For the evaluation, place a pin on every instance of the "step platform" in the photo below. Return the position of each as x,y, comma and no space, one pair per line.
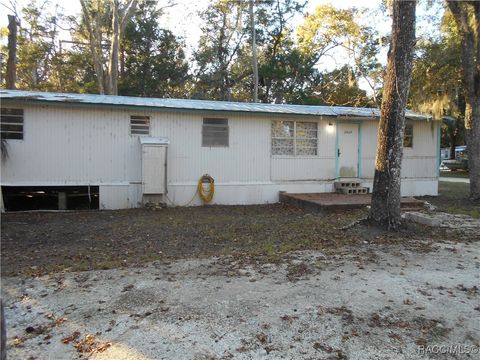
319,202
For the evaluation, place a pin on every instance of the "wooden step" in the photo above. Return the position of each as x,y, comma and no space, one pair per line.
319,202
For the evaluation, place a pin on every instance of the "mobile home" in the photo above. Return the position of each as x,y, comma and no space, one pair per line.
127,151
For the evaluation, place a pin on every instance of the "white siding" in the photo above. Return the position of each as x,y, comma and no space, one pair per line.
73,146
87,145
420,161
369,130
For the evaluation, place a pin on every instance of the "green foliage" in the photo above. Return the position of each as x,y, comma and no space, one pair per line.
340,87
436,86
223,37
329,29
436,83
36,45
153,60
286,74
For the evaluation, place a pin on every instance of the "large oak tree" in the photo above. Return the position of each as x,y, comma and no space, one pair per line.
385,209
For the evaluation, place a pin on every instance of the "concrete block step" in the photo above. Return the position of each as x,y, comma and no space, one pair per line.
352,190
347,184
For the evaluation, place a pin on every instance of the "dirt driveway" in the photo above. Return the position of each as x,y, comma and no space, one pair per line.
244,282
367,302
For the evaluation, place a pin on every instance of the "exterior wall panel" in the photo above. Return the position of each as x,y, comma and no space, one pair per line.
92,145
420,161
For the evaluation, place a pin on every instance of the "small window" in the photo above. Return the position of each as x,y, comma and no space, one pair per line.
294,138
215,132
139,125
12,124
408,136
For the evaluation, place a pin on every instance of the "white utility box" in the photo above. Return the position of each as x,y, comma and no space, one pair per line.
154,165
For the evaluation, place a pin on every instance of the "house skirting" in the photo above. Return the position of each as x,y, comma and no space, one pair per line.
129,195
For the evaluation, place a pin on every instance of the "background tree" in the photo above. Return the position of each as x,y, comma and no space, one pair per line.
437,81
329,30
223,35
340,87
42,63
92,13
12,53
36,49
467,18
153,62
385,207
224,55
254,49
281,66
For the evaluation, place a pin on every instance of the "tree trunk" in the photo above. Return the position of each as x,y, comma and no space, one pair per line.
122,62
107,84
112,81
221,51
120,18
467,18
254,53
95,51
385,208
11,77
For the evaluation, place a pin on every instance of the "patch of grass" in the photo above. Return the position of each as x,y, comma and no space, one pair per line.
289,247
268,248
453,198
456,174
475,213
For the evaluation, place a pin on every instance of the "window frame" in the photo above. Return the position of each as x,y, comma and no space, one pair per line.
213,126
138,118
294,138
405,136
21,113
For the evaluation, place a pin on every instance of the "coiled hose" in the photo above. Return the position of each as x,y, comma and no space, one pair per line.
206,194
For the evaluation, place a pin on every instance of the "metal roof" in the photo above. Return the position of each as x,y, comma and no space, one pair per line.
204,105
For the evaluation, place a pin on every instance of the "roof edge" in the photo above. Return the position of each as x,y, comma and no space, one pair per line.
197,105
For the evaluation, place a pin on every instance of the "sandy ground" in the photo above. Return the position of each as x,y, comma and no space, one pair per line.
368,302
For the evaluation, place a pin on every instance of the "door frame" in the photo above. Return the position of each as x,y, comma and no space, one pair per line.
359,150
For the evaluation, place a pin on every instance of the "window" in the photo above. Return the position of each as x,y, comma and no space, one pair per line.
408,136
294,138
215,132
12,124
139,125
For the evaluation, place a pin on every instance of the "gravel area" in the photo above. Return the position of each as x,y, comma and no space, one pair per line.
370,301
242,282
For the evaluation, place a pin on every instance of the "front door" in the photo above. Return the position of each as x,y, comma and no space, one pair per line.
347,152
